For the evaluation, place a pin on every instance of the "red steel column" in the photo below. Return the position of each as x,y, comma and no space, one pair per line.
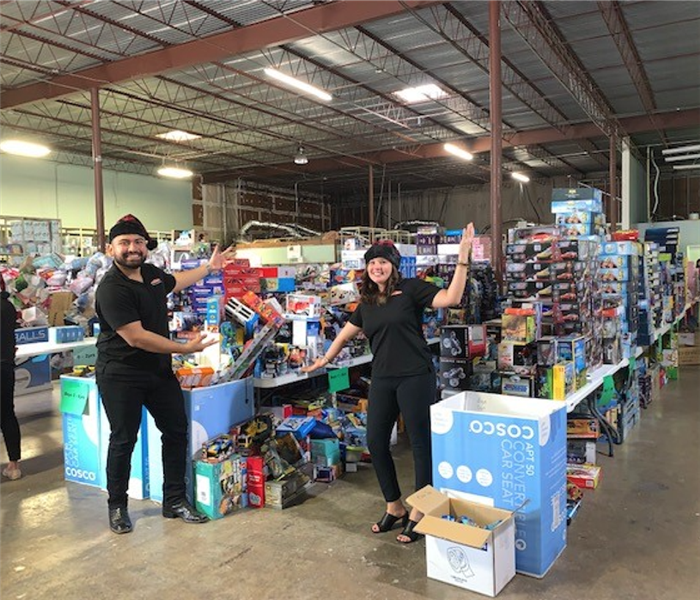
97,167
371,196
614,204
496,133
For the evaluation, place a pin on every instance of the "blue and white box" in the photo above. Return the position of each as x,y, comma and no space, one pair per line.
211,411
508,453
139,474
32,373
80,410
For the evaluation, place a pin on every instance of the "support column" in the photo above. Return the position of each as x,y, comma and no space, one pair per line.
615,205
371,196
496,134
97,168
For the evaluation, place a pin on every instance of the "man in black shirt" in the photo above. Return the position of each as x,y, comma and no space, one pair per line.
8,419
134,366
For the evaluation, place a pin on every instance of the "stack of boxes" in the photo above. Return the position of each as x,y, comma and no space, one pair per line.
459,346
649,292
619,275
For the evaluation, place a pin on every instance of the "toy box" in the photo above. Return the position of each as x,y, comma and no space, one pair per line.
468,556
513,384
583,428
455,373
31,335
221,487
503,451
584,476
518,328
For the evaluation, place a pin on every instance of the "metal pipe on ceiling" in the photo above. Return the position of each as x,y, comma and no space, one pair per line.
496,133
97,168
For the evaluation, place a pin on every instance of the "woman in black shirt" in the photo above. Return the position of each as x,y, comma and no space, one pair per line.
403,378
8,419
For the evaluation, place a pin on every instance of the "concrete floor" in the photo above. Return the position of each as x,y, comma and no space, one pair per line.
636,537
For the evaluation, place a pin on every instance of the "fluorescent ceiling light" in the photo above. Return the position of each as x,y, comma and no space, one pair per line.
175,172
300,85
520,177
422,93
22,148
457,151
693,148
178,136
682,157
685,167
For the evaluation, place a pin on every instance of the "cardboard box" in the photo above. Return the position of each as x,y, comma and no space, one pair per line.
32,373
472,558
502,451
689,355
584,476
211,411
221,487
80,412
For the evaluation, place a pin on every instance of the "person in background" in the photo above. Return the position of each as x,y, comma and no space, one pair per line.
134,369
403,378
8,419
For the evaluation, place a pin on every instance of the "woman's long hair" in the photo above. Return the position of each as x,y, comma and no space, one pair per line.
370,293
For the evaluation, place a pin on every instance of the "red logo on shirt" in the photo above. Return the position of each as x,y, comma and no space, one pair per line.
156,282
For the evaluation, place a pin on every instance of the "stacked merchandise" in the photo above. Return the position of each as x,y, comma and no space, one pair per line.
459,346
619,274
650,305
550,280
668,239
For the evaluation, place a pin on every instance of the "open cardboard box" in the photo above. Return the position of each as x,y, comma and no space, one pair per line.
469,557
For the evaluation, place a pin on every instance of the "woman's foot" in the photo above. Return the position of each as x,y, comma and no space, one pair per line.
12,470
395,511
408,535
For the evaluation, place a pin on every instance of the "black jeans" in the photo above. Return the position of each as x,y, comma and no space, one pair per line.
124,392
412,397
8,419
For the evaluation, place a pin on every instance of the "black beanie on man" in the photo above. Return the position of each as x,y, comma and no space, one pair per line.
129,224
384,249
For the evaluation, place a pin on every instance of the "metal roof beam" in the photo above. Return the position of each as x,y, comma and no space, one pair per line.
670,120
219,46
530,20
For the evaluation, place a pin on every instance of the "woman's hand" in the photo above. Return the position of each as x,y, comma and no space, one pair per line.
319,363
465,244
218,259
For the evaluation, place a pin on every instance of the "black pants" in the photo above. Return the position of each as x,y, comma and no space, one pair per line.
124,392
412,397
8,419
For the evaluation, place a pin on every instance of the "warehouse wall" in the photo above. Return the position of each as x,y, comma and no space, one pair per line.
453,207
46,189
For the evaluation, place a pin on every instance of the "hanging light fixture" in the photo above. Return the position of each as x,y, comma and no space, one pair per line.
457,151
520,177
300,158
174,172
23,148
299,85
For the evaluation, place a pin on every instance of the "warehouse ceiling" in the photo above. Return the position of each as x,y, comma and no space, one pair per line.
573,73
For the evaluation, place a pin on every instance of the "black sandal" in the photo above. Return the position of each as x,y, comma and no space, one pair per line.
387,522
409,532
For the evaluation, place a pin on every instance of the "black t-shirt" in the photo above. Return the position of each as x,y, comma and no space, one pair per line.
9,322
119,301
395,330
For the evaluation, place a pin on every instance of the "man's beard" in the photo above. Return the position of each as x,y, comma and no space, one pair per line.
131,261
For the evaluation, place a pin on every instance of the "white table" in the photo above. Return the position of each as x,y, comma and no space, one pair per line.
41,348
